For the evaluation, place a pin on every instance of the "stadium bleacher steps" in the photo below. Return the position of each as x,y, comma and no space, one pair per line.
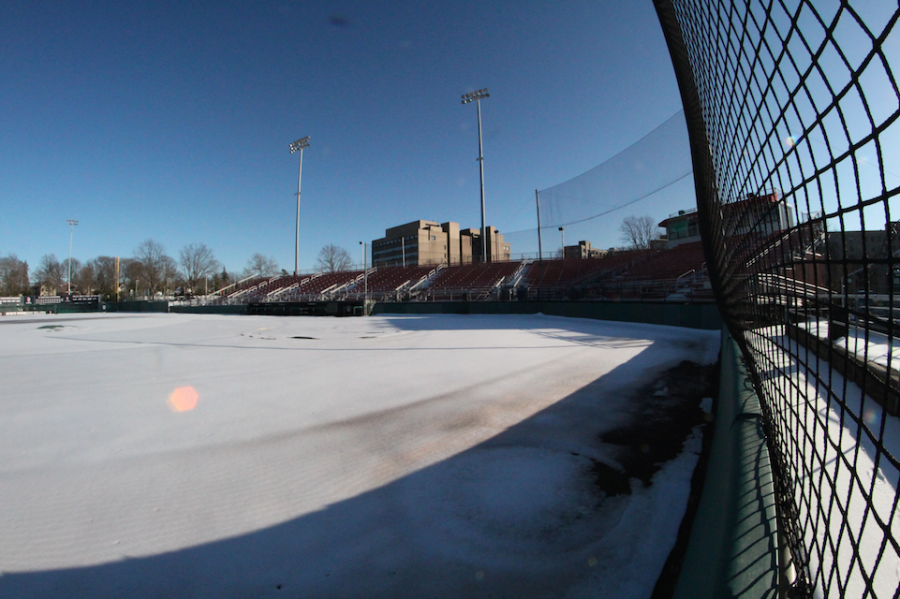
276,292
425,281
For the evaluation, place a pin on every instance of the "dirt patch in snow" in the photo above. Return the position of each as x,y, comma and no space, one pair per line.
666,411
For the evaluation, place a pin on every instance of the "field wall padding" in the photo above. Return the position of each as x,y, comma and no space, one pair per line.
694,315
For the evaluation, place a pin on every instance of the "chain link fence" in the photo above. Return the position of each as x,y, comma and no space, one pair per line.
792,109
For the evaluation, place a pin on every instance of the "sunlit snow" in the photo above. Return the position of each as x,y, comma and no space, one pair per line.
227,456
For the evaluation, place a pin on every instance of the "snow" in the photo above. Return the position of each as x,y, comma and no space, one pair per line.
233,456
843,473
875,348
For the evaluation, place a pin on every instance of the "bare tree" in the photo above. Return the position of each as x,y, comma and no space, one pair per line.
70,268
170,275
261,266
86,278
130,272
49,274
153,262
197,262
333,259
13,276
105,276
638,231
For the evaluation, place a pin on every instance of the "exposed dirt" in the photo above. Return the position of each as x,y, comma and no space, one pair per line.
666,410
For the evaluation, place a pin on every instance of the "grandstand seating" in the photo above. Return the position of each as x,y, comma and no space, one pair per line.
474,278
327,281
247,286
568,272
387,280
277,284
648,274
670,264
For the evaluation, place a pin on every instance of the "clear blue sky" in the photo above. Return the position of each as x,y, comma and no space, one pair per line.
172,120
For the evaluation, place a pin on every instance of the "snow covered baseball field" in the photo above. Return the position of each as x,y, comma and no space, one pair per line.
164,455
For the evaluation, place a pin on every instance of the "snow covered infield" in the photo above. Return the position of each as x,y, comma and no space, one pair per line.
235,456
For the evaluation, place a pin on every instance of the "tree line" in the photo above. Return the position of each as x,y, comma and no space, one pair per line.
148,272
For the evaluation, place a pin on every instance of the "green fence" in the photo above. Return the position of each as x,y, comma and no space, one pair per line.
136,306
225,309
733,547
695,316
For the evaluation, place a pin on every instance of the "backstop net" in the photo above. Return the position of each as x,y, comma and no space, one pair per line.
650,176
792,108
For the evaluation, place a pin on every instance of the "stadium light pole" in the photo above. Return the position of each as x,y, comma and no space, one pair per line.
562,232
72,225
477,96
298,145
365,276
537,199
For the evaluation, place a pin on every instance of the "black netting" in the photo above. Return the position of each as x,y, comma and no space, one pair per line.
792,115
648,177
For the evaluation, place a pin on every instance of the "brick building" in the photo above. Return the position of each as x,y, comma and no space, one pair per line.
424,242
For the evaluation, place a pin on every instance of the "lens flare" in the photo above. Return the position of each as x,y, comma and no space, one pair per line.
183,399
871,417
790,141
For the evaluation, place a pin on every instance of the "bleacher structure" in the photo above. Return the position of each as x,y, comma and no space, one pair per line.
678,274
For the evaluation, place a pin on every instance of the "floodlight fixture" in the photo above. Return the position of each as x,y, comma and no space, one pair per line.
72,224
298,145
477,96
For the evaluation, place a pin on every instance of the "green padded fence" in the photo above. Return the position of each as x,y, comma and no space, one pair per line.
733,547
694,316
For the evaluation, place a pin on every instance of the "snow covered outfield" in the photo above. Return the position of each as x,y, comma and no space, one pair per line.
406,456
